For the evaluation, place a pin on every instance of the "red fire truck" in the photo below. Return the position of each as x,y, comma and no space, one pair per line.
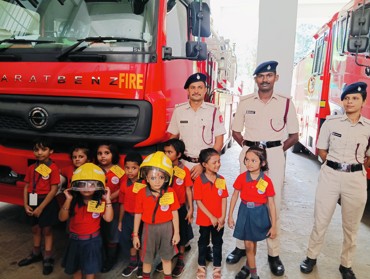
341,57
88,70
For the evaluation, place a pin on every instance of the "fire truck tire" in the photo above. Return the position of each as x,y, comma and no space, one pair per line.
297,148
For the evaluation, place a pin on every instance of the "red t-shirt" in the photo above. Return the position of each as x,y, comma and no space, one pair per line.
41,183
84,222
145,204
248,190
113,182
211,197
126,195
179,185
67,172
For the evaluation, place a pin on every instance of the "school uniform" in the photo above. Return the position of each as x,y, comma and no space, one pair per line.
84,248
127,197
110,229
41,185
253,221
211,196
269,122
197,129
342,176
156,216
180,182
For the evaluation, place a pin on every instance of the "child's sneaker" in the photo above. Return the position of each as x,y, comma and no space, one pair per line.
159,267
179,269
129,270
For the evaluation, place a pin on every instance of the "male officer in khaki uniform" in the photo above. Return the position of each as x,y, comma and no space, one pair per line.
344,147
197,123
269,120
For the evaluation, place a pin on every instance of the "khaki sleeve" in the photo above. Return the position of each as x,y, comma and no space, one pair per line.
238,121
292,120
173,127
219,128
324,136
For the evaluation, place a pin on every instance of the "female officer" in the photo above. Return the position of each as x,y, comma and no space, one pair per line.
344,147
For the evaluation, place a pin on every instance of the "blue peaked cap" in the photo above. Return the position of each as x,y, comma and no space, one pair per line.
357,87
194,78
268,66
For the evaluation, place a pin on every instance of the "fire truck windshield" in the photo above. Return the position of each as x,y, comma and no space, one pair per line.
54,28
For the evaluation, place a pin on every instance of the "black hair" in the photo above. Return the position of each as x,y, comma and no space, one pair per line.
113,149
261,154
133,157
84,147
43,142
206,154
177,144
78,199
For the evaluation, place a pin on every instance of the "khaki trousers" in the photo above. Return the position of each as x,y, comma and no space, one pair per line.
351,188
276,164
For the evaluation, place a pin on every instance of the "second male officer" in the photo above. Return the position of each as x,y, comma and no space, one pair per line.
269,120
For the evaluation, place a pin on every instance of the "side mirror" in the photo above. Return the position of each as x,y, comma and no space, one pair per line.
196,50
138,6
200,19
358,44
360,22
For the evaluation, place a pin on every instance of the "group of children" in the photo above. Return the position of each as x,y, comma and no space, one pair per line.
147,206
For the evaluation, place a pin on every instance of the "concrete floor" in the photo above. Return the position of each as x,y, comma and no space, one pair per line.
296,215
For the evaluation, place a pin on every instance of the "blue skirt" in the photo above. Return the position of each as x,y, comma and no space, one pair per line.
84,255
252,224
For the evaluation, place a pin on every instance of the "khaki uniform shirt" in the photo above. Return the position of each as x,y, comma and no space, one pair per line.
345,141
194,127
265,121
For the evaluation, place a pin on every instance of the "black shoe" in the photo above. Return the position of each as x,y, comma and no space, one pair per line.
243,274
209,255
276,266
32,258
307,265
108,265
159,267
47,266
187,248
235,255
347,272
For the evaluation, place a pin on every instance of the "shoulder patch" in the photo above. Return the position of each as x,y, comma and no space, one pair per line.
331,117
283,96
245,97
182,104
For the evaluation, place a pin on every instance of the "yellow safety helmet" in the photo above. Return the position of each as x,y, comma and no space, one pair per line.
159,161
87,176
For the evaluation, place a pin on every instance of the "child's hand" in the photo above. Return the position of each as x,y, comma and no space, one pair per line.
136,242
189,217
272,232
28,209
106,196
221,223
175,239
231,222
68,194
120,226
214,221
37,212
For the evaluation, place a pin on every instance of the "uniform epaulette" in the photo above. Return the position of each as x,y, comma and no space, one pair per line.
181,104
336,116
210,104
366,120
283,96
247,96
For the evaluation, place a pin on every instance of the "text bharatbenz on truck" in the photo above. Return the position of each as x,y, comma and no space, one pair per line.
88,70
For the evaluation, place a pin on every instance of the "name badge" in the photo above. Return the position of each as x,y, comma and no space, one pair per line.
92,207
32,199
250,112
117,170
183,121
336,134
261,186
167,199
220,183
43,169
137,187
179,172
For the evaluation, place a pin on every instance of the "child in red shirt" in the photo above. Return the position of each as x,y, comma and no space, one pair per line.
42,179
210,194
84,208
156,206
107,157
127,198
182,185
255,221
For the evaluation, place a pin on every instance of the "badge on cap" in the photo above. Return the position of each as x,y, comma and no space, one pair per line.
359,89
198,77
269,67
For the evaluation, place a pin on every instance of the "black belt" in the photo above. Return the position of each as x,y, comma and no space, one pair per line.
267,144
76,236
344,167
190,159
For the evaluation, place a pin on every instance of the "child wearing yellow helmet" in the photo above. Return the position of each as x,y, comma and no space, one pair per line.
157,206
87,201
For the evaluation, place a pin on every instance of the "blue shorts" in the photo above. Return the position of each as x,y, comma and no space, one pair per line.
252,224
186,231
84,255
49,216
127,229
